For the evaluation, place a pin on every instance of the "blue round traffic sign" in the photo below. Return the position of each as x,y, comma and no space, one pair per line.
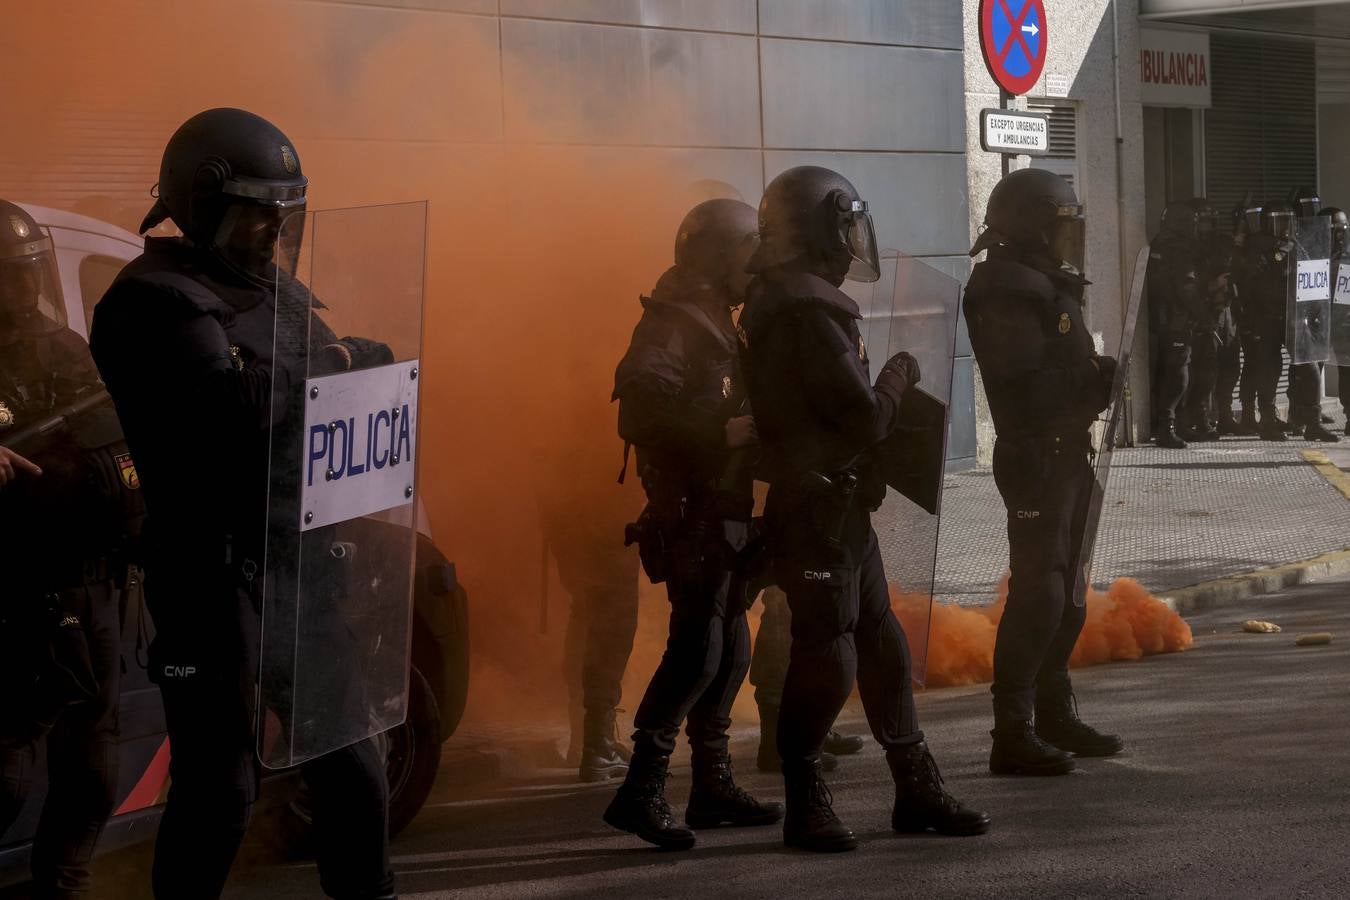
1014,40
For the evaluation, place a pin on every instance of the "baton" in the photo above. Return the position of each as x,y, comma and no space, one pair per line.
31,434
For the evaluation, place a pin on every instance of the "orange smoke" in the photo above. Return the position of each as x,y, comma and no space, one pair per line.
1126,622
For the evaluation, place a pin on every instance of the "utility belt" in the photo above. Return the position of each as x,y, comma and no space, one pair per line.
682,532
828,500
1055,442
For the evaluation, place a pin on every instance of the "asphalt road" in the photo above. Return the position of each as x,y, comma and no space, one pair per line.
1236,783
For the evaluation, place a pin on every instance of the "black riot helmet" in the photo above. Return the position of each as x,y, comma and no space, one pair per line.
1339,223
1305,202
1206,218
815,216
229,178
715,243
1035,210
30,284
1278,221
1247,218
1180,220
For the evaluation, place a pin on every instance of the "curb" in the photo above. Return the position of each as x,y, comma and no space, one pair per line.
1210,594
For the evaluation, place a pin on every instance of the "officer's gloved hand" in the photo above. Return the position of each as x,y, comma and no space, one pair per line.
12,465
741,432
356,353
900,373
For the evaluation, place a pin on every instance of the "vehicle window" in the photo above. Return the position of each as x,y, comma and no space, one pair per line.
96,274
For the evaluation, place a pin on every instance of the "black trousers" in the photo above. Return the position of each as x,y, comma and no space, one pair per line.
1204,378
1305,393
1175,376
1228,376
214,768
773,646
82,759
1046,492
602,583
1265,363
705,662
843,629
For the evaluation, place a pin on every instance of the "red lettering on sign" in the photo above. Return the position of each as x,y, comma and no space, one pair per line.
1160,67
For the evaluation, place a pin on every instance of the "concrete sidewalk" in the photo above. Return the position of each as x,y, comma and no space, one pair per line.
1172,518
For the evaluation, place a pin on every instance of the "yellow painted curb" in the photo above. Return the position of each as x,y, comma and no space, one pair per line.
1208,594
1329,470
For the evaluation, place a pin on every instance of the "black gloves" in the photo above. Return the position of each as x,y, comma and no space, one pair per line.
900,373
356,353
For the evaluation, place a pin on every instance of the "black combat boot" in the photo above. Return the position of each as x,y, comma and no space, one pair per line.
1316,431
922,803
716,799
843,744
1203,433
811,823
603,756
1019,751
1272,429
767,759
1247,425
640,805
1168,438
1057,723
1227,426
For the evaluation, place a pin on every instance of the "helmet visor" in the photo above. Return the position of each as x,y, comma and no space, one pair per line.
1280,223
1066,237
252,241
30,291
861,239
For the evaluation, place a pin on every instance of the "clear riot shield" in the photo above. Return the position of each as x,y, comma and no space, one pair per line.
1340,313
914,307
1107,432
342,505
1308,320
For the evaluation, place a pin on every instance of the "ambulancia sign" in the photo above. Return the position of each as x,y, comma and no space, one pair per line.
1014,132
1175,68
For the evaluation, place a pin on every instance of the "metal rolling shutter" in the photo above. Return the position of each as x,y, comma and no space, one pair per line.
1261,133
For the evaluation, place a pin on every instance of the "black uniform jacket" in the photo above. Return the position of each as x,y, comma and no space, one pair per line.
1034,351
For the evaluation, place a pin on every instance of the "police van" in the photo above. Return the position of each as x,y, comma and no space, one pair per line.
90,253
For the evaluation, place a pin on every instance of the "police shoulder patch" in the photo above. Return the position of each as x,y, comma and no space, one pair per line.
126,468
1065,323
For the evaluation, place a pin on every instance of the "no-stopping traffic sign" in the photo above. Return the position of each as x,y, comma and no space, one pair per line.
1014,40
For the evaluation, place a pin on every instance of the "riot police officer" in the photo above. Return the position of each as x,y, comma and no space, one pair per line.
1210,327
1234,374
1173,302
682,405
818,415
1305,379
67,521
1046,385
1340,311
184,339
1264,286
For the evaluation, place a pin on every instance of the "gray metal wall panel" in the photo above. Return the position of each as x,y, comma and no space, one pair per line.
920,23
481,7
918,200
961,443
604,84
855,97
708,15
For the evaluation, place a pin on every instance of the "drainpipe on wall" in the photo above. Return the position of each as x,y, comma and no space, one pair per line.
1125,268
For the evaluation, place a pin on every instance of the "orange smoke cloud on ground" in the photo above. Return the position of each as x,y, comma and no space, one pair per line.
1125,622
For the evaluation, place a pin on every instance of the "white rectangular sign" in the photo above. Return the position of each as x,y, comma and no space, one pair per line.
1014,132
360,444
1314,279
1342,294
1174,68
